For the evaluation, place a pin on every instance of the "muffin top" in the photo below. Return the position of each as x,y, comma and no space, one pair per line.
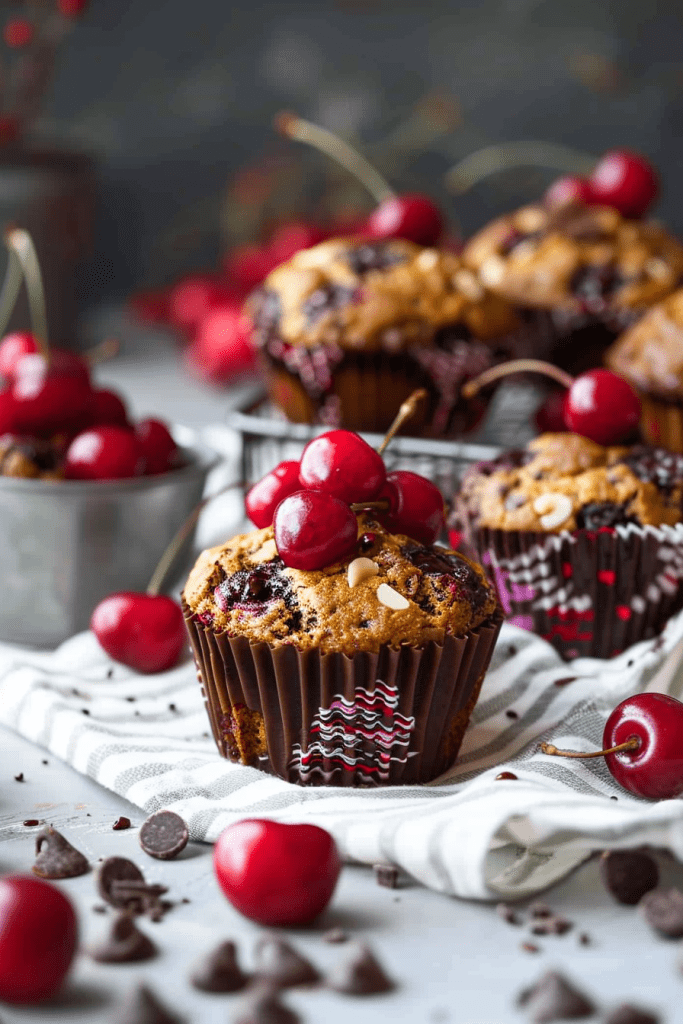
244,589
566,482
582,259
650,354
384,295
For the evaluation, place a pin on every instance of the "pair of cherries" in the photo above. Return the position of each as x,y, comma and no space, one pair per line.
621,179
311,504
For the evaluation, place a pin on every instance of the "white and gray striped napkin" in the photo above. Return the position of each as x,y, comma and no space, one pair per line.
146,738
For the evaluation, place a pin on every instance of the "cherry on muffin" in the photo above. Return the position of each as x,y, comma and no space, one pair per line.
621,178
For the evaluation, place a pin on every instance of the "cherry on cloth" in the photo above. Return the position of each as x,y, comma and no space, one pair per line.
108,452
655,769
416,506
624,180
262,499
411,216
313,529
144,631
342,464
602,407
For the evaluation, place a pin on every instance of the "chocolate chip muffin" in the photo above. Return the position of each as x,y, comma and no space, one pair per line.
585,542
361,673
348,329
586,271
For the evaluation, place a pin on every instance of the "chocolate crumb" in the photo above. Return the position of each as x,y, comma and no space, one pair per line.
31,821
131,700
507,914
184,900
110,673
172,707
335,935
19,777
530,947
614,798
628,874
553,998
504,776
512,650
99,908
56,857
120,824
511,713
552,926
44,762
386,875
540,910
585,939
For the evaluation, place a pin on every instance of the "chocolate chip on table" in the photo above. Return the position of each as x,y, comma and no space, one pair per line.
219,971
280,964
629,1014
120,824
530,947
164,835
386,875
124,944
116,869
507,914
359,974
263,1005
335,935
540,910
121,884
31,821
142,1006
555,925
511,713
56,857
19,777
554,997
663,911
628,874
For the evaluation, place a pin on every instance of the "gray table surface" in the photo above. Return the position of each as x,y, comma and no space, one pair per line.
454,961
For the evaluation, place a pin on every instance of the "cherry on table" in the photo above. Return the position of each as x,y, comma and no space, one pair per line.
313,529
274,873
342,464
411,216
107,452
625,180
416,506
146,632
567,190
262,499
654,769
158,447
38,937
601,406
221,348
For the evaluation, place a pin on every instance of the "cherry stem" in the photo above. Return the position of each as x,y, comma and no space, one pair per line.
10,289
294,127
492,159
406,411
171,553
472,387
380,505
632,743
20,242
102,352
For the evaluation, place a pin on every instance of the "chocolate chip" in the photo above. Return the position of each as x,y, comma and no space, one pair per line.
124,944
141,1006
120,824
628,1014
218,971
585,939
386,875
172,707
113,870
110,673
264,1006
99,908
32,821
335,935
553,998
628,874
359,974
506,913
279,963
530,947
19,777
663,911
56,857
44,762
164,835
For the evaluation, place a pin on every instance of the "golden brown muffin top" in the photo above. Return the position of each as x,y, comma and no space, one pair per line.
385,295
566,482
578,258
244,589
650,354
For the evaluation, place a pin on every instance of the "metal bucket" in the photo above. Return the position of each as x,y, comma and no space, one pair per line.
64,545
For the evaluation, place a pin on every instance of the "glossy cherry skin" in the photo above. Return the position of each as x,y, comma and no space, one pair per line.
263,498
313,529
416,508
602,407
12,348
277,874
48,401
192,298
144,631
342,464
624,180
61,363
107,452
38,938
221,348
411,216
158,447
655,769
566,190
109,407
549,417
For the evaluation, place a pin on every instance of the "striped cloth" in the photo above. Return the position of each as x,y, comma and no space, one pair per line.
146,738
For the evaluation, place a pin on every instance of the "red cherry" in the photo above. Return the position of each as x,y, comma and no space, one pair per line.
109,408
416,506
566,190
549,417
655,769
158,447
221,348
249,265
150,306
12,348
263,498
412,216
277,874
602,407
342,464
291,238
106,452
61,363
8,413
624,180
38,937
193,297
18,32
144,631
313,529
72,8
48,401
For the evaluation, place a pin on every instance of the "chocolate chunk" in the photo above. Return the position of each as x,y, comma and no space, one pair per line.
124,944
19,777
56,857
663,911
264,1006
628,1014
335,935
141,1006
120,824
628,874
219,971
113,870
386,875
552,998
506,913
279,963
585,939
164,835
359,974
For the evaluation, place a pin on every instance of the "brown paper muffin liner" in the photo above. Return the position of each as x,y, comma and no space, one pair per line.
661,422
394,717
588,593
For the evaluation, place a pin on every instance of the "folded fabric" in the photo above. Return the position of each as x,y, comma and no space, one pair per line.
469,834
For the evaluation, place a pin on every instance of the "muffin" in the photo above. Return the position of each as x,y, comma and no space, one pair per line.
348,329
650,357
585,543
363,673
586,272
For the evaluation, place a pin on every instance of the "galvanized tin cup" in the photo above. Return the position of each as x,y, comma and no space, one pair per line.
64,545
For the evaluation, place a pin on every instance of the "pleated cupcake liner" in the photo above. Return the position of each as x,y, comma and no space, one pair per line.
588,593
393,717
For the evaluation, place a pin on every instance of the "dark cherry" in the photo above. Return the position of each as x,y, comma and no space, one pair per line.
38,938
416,506
313,529
625,180
601,406
342,464
144,631
158,447
221,348
50,398
60,363
411,216
107,452
653,770
109,407
262,499
567,190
